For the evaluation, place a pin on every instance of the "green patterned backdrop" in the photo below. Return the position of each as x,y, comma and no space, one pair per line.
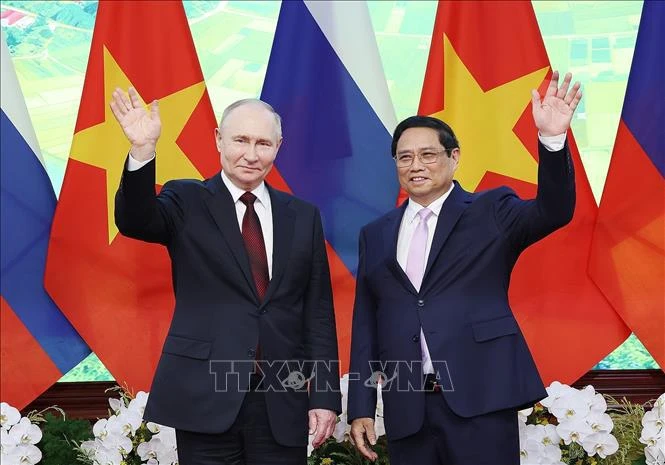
50,41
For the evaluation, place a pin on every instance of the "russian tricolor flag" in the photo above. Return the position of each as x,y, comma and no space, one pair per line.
39,345
628,254
326,80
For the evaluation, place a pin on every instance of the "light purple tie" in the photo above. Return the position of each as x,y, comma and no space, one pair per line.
415,270
416,260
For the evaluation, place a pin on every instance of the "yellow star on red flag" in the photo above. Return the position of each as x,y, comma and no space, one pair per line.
483,122
105,146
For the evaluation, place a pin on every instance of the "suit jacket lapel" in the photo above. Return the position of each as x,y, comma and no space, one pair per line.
283,224
390,235
221,207
450,214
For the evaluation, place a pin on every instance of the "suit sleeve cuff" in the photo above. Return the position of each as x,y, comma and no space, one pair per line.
133,164
553,143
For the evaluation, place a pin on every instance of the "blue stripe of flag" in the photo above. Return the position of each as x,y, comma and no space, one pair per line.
643,109
336,151
27,204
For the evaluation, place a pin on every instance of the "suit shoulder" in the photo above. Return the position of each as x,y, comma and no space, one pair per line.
379,222
185,185
493,195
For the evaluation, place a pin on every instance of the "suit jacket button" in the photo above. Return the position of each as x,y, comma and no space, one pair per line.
421,303
264,311
251,353
415,338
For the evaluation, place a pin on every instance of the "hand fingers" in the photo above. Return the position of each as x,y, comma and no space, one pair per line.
571,93
318,437
554,84
135,99
576,100
116,111
118,103
359,442
125,101
313,422
331,427
154,109
371,435
561,93
535,99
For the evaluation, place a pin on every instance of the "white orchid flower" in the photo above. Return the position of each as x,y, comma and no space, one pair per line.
570,406
575,430
598,404
655,454
153,427
25,432
551,454
523,415
89,448
531,452
555,391
23,454
139,402
99,428
603,444
545,434
148,450
342,428
600,422
166,434
650,434
117,405
126,423
118,442
652,419
6,442
9,416
108,456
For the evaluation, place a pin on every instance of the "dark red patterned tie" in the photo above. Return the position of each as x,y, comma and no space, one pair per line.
254,244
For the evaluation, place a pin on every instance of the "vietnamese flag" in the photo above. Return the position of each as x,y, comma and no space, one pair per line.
484,59
628,253
116,291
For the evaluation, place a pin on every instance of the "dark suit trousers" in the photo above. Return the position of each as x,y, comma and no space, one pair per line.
448,439
249,441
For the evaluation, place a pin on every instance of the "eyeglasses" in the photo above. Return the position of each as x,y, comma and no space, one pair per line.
427,157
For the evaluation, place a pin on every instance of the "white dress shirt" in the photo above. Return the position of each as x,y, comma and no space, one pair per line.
410,222
408,226
262,206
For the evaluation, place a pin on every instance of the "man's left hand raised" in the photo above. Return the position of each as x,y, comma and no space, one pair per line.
554,113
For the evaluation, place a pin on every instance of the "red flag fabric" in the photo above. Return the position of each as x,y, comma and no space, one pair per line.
116,291
27,370
628,253
484,59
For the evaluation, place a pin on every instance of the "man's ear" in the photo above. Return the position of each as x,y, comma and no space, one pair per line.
218,140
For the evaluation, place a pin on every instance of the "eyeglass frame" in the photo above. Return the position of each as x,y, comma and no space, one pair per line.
419,155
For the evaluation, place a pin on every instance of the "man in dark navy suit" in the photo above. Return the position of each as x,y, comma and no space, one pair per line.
253,319
431,316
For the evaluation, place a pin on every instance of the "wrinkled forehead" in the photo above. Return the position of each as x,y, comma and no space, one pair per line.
415,139
250,119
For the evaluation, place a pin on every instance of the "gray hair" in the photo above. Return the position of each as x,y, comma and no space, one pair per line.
254,101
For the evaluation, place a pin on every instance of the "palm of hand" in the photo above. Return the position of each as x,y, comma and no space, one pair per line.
141,127
553,116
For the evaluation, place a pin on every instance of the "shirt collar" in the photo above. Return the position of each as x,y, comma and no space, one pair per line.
260,191
414,207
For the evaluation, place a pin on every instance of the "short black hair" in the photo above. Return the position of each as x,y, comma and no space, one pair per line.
446,135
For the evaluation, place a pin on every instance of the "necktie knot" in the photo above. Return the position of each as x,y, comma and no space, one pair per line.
248,198
424,214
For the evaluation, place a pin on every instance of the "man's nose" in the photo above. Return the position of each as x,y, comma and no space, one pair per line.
417,165
251,154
